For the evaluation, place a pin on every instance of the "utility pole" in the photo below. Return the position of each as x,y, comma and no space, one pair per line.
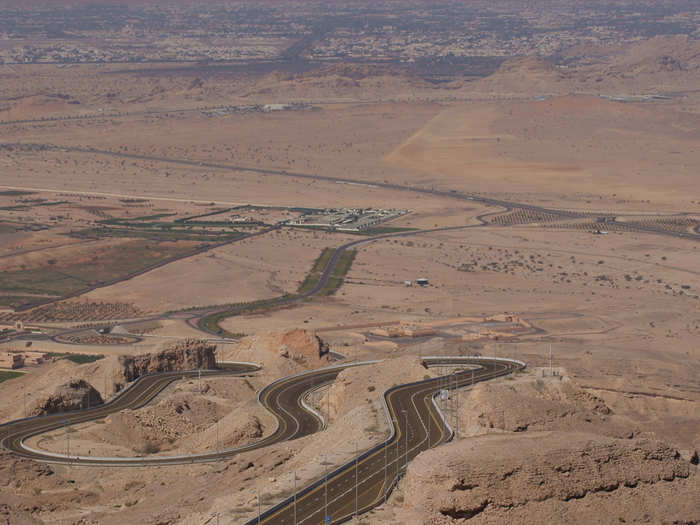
24,392
217,435
357,477
550,360
199,380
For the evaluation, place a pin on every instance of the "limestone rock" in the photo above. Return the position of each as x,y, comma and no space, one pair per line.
73,395
300,345
190,354
494,473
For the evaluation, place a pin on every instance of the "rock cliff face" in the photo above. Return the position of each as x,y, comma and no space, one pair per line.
190,354
490,475
301,346
74,395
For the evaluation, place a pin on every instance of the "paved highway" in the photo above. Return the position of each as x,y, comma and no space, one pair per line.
363,483
140,393
358,486
452,194
286,300
284,398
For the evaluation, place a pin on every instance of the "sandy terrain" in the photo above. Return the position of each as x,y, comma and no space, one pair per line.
259,268
621,312
614,150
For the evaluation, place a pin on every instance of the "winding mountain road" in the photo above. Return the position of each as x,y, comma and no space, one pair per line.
416,425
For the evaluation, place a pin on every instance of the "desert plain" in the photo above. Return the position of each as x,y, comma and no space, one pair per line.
553,222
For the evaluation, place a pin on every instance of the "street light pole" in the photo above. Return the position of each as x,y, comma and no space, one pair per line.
295,497
325,489
257,490
398,455
405,414
551,370
386,489
356,478
429,418
456,408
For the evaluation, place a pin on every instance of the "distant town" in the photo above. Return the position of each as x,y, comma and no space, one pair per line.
450,34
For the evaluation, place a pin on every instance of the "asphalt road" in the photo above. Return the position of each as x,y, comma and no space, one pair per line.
452,194
283,398
357,486
363,483
287,300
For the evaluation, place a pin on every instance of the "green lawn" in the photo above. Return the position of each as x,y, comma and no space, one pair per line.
80,359
9,374
58,278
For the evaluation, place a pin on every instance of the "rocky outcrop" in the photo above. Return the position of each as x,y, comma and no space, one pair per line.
74,395
527,403
17,472
190,354
301,346
248,429
494,472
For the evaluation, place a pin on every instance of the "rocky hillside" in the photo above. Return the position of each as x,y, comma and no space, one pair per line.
551,477
190,354
73,395
21,481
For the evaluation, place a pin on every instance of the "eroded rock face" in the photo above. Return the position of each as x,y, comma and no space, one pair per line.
17,472
512,471
74,395
31,492
190,354
533,404
301,346
247,430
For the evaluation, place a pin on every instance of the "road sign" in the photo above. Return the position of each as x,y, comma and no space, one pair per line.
443,395
328,519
